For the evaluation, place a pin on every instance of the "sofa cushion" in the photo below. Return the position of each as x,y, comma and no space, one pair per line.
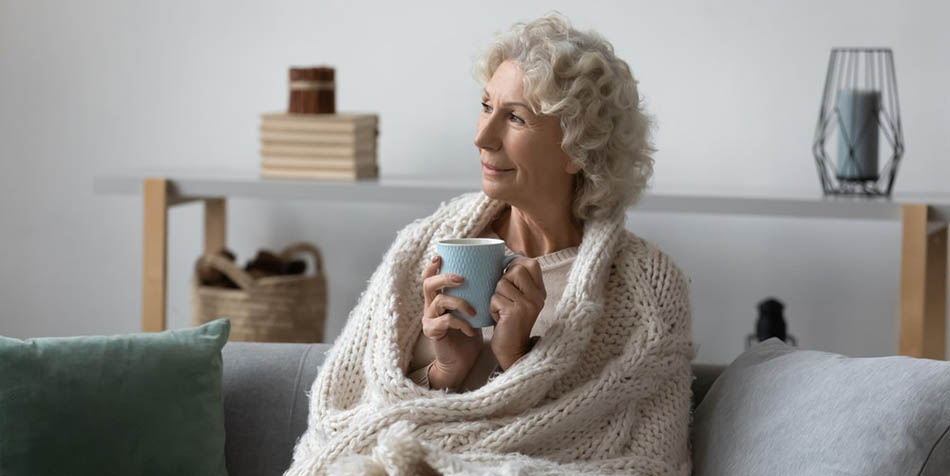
148,403
266,401
779,410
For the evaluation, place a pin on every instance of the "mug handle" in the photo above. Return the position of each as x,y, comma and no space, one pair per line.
508,260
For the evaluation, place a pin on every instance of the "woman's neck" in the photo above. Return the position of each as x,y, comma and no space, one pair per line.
534,235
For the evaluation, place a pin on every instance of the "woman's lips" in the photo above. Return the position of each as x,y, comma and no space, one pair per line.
492,170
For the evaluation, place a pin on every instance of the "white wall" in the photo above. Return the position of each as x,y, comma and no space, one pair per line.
98,86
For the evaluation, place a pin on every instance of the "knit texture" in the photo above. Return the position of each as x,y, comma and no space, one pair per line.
606,391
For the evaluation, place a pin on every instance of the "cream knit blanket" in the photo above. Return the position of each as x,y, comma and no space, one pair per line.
606,390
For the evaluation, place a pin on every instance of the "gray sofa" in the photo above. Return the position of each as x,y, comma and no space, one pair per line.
265,401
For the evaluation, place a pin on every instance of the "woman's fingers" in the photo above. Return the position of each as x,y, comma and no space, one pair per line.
432,267
497,304
507,290
530,271
430,270
521,289
519,283
444,302
432,282
437,327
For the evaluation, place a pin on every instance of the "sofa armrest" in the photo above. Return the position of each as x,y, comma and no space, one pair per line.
265,402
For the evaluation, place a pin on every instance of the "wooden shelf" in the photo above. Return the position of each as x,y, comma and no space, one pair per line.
923,218
187,186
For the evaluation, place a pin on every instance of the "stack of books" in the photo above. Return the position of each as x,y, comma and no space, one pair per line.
320,146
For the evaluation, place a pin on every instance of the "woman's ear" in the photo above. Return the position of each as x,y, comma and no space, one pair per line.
571,168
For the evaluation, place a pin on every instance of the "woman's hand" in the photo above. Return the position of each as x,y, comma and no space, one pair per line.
455,342
518,299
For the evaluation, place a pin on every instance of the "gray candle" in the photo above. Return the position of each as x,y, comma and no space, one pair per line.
857,137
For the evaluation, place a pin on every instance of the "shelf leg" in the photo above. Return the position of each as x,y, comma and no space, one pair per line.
923,292
215,225
154,253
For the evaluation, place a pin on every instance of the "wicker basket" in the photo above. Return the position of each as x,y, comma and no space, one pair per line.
290,308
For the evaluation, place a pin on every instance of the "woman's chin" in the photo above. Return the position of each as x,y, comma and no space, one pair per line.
492,188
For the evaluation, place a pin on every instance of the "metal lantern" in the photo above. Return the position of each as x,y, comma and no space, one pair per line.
859,111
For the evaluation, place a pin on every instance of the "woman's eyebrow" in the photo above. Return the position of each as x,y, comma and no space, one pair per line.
510,103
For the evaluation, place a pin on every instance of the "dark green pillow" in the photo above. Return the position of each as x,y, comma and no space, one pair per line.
136,404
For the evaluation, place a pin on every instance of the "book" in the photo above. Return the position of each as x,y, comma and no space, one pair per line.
316,151
341,122
310,163
289,126
316,137
340,117
361,172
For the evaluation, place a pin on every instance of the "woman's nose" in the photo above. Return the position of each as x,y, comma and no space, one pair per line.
486,135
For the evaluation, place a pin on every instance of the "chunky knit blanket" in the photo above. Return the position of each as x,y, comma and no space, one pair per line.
606,390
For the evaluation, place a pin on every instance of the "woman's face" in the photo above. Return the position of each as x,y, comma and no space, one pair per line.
525,147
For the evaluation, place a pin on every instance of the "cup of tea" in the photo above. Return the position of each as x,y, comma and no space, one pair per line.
482,262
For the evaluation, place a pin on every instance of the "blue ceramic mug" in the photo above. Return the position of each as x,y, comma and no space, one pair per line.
482,262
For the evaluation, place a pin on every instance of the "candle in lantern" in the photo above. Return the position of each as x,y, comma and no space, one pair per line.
857,139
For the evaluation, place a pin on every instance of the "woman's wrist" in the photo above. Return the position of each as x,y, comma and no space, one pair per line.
439,379
505,362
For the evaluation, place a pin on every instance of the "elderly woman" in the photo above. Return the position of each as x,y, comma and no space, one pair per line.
587,367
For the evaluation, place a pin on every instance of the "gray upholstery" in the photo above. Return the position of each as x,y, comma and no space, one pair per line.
265,401
780,410
705,376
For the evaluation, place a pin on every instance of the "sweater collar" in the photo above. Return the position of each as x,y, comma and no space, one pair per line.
599,246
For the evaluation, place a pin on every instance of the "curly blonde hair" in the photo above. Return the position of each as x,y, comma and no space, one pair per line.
577,77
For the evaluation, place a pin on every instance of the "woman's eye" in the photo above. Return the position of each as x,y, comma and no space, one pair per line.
487,109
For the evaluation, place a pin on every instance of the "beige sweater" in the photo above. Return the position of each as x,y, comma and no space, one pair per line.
554,270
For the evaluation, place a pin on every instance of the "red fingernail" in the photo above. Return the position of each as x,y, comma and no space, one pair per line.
457,279
435,258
